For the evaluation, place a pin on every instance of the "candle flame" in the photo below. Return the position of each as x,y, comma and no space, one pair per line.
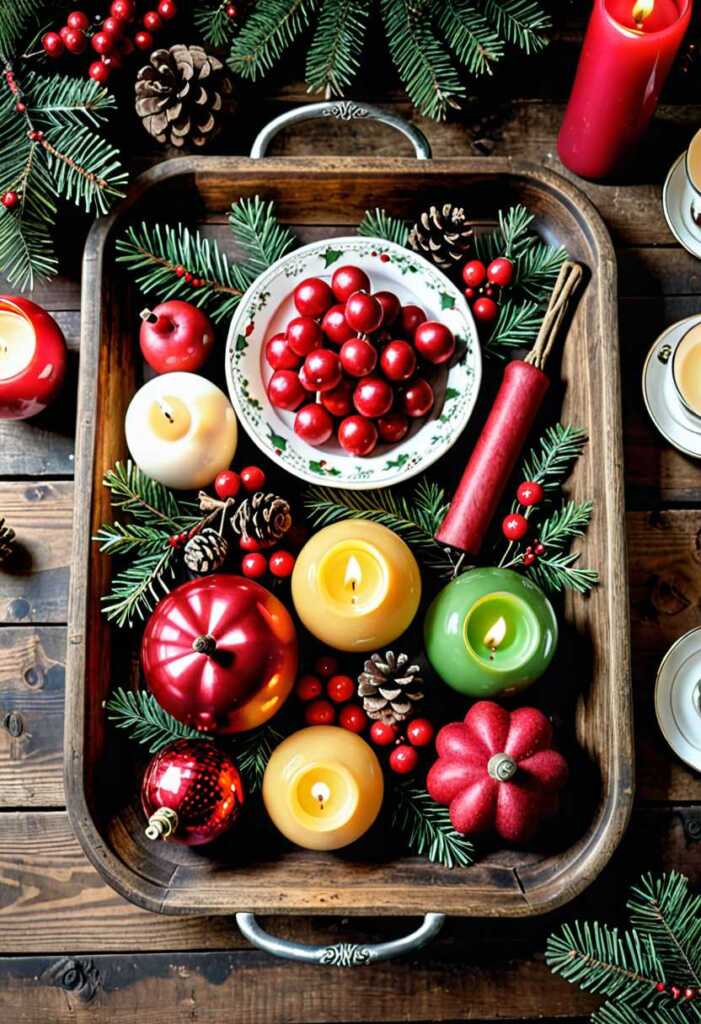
321,792
354,575
166,410
642,9
496,634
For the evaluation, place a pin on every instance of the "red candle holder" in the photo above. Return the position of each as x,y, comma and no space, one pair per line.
32,358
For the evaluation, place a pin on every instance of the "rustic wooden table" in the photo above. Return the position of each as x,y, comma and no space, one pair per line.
73,949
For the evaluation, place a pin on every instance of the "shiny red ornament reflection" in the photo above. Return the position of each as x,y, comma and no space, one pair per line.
32,358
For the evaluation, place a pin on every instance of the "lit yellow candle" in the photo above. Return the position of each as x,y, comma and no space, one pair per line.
181,430
356,585
323,787
17,343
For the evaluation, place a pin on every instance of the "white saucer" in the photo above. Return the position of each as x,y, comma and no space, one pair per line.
676,693
677,210
668,414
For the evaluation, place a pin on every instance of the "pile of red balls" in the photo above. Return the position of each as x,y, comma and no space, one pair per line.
354,362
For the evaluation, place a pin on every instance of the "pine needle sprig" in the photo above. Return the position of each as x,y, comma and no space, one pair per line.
17,19
379,224
253,752
214,24
619,1013
427,828
147,723
137,589
565,523
259,233
85,167
475,42
334,54
118,539
663,908
516,326
549,463
134,492
58,100
268,31
521,22
558,572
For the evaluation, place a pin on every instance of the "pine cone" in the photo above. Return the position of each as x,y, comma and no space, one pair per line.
7,537
442,235
389,687
181,94
265,517
206,551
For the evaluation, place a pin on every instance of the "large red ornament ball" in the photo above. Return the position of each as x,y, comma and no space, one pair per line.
200,784
514,526
176,335
434,342
313,297
349,279
496,771
529,493
220,653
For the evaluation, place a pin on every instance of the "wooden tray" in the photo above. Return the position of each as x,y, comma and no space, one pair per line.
589,690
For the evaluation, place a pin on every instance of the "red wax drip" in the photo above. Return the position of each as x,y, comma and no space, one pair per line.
494,457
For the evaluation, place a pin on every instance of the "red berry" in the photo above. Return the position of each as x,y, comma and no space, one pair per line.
390,307
102,42
393,427
675,992
126,47
339,401
358,357
514,526
124,9
20,107
78,20
320,712
52,44
227,484
489,291
403,759
167,9
352,718
539,548
419,732
418,398
398,360
528,558
357,435
690,993
279,355
326,665
313,297
501,271
114,26
143,40
152,21
335,327
308,687
254,565
252,478
231,11
285,390
474,273
281,564
9,199
99,72
529,493
250,544
485,309
410,317
322,368
75,40
314,424
304,380
373,397
434,342
383,733
470,293
363,312
340,689
303,335
349,279
660,986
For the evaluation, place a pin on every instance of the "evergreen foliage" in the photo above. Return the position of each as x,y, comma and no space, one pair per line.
334,54
379,224
427,827
141,714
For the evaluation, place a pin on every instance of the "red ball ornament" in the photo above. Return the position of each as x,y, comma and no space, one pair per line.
393,427
358,357
390,307
124,9
254,565
304,335
340,689
363,312
75,41
410,317
434,342
326,665
485,310
78,20
227,484
373,397
252,478
285,390
175,335
322,368
279,355
514,526
398,360
313,297
419,732
167,9
349,279
281,564
403,759
383,733
335,327
102,42
314,424
417,399
308,687
52,44
357,435
319,712
143,40
497,770
474,273
339,401
529,493
99,72
352,718
192,792
220,653
9,199
501,271
152,21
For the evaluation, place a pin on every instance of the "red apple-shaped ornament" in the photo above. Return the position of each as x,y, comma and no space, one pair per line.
175,335
497,771
192,792
32,358
220,654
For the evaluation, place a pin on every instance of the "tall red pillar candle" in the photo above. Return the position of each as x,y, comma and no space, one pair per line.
494,457
628,51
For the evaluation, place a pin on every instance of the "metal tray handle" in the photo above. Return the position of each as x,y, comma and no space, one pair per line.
341,110
342,954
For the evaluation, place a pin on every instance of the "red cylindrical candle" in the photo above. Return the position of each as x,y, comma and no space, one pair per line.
628,51
494,457
32,358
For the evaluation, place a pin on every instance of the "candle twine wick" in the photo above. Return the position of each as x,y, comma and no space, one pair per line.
567,282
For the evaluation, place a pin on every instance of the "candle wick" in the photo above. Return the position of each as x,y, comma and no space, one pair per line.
167,412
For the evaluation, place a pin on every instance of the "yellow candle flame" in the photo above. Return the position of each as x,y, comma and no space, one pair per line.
321,792
166,410
642,9
354,575
495,635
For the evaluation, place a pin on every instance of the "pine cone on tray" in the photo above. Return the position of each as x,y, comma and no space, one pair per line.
389,686
181,94
7,538
266,517
206,551
443,235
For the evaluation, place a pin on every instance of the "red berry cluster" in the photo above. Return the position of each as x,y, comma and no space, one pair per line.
110,37
339,689
11,197
515,525
189,277
678,993
482,284
370,332
254,564
404,756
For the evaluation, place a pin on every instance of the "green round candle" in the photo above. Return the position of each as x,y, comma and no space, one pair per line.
490,632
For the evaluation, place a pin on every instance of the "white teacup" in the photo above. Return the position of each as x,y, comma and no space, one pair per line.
692,185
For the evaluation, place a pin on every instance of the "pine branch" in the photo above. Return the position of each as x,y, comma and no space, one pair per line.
552,461
260,234
619,1013
378,224
117,539
511,238
26,248
85,167
147,500
537,270
516,326
565,523
558,572
334,55
59,100
268,31
214,24
142,716
663,908
428,829
137,589
470,36
424,66
253,753
17,19
520,22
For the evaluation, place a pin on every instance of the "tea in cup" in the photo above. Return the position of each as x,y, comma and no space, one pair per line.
686,370
692,162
